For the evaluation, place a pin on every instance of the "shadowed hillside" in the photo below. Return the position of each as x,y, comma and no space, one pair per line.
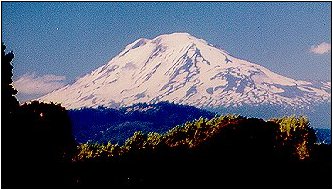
102,125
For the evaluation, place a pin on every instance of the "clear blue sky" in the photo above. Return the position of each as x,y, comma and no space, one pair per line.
73,38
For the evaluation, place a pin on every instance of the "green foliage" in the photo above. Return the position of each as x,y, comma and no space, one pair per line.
153,140
228,145
296,133
293,136
189,135
137,141
95,150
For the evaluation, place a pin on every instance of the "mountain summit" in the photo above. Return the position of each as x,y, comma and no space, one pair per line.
183,69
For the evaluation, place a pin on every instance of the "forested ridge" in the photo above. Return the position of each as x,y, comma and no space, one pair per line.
102,125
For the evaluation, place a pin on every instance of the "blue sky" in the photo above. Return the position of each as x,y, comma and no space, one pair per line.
56,42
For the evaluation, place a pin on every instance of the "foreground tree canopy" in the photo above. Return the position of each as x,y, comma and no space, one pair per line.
290,136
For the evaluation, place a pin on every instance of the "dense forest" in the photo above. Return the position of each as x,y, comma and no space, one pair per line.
102,125
223,151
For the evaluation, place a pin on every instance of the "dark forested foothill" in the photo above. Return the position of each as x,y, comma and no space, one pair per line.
103,125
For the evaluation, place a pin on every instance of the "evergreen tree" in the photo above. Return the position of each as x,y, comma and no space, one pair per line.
37,142
8,99
9,105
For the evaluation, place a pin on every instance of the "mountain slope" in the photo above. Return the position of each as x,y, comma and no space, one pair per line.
183,69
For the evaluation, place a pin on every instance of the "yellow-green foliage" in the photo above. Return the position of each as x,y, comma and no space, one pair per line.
153,139
137,141
189,135
294,132
193,133
94,150
141,141
289,125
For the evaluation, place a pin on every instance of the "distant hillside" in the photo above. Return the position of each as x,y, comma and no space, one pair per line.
107,124
319,115
324,135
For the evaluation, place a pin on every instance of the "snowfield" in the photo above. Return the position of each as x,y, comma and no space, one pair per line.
183,69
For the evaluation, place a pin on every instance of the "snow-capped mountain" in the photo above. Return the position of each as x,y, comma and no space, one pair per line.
183,69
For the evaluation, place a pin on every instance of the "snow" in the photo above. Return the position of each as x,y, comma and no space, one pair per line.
180,68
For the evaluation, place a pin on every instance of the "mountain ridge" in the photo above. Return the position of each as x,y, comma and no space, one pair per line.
182,69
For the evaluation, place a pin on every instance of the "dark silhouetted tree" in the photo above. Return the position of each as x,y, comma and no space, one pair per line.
37,143
46,145
9,103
